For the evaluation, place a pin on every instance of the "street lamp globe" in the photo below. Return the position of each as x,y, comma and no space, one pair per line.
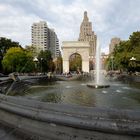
35,59
132,58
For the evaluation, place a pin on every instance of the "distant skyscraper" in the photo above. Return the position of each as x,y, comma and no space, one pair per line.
114,41
44,38
86,34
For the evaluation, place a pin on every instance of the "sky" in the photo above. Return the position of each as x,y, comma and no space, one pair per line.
110,18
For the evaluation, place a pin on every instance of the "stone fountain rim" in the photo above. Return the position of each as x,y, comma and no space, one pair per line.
86,118
98,85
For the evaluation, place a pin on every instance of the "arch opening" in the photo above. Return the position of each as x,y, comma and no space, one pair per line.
75,63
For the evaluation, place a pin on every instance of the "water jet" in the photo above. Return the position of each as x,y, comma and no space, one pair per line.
99,78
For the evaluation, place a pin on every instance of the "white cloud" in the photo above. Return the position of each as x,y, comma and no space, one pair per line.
110,18
16,25
3,8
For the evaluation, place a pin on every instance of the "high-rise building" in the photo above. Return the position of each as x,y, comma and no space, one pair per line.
44,38
40,33
53,44
87,34
57,50
114,41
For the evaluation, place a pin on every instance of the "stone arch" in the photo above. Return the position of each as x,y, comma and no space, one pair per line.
71,47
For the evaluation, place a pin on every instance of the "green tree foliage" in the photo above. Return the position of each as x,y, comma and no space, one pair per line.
124,52
135,43
32,50
18,60
75,62
58,65
45,60
5,44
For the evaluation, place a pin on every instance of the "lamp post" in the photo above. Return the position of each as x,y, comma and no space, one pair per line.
112,63
91,63
35,60
41,64
133,59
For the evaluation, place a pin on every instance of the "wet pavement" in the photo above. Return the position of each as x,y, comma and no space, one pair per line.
8,133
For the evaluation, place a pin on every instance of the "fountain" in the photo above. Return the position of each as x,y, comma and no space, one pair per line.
99,80
65,110
70,110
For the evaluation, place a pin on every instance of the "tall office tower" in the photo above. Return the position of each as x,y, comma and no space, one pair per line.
44,38
114,41
40,33
53,43
86,34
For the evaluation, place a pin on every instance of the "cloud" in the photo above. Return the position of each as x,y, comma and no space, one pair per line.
109,18
15,24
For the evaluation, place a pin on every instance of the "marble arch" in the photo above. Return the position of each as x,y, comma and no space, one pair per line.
71,47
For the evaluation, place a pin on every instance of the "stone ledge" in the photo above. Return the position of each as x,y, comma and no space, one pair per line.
117,122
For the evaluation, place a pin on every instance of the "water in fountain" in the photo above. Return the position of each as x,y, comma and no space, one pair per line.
99,80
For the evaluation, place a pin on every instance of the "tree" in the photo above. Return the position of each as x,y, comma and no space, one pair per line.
123,53
58,65
135,51
135,39
18,60
32,50
45,61
5,44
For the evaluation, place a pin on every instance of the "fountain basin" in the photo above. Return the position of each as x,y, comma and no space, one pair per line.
97,86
